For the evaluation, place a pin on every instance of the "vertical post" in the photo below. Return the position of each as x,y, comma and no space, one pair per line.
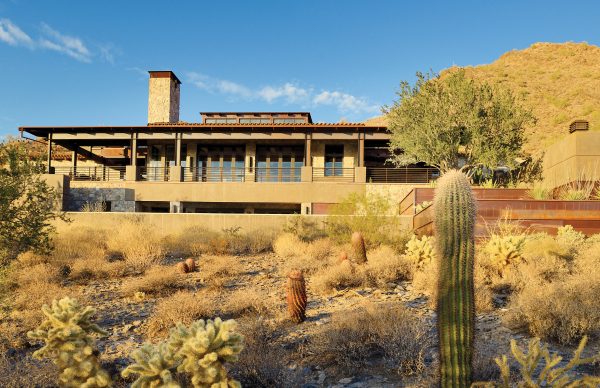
74,161
361,149
178,149
307,150
49,156
134,150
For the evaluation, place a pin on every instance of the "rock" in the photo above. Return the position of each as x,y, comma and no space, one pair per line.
322,377
136,323
346,380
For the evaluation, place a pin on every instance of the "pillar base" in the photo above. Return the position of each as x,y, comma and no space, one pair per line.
306,174
131,173
360,174
175,174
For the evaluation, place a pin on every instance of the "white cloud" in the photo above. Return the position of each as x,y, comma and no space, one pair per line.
69,45
288,93
53,40
345,102
13,35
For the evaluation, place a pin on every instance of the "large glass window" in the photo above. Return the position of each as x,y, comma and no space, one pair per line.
334,155
221,120
255,120
220,163
289,120
279,163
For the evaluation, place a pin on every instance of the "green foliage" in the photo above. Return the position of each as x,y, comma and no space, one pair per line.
540,191
570,238
422,206
454,207
549,374
26,204
443,120
303,228
420,251
66,333
200,351
373,216
504,251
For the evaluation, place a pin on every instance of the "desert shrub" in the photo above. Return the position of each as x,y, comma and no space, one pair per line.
571,239
425,281
197,241
159,280
357,338
305,229
372,215
580,188
540,191
263,363
68,342
139,244
552,372
39,273
31,258
562,310
245,302
384,266
218,271
97,268
74,242
319,250
336,277
288,245
420,252
181,307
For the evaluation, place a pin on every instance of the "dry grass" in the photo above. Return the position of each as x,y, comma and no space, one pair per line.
263,363
384,265
563,311
139,244
246,302
337,277
355,339
218,271
309,257
196,241
158,280
288,245
181,307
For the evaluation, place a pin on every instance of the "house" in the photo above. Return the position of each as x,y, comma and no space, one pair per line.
229,162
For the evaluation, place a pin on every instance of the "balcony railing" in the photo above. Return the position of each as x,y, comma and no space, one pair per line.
209,174
331,174
283,174
153,174
96,173
402,175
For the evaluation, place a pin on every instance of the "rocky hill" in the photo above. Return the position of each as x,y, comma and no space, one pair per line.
559,81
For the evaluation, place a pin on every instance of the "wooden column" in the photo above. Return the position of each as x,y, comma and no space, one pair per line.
49,156
361,149
74,161
177,149
134,150
307,150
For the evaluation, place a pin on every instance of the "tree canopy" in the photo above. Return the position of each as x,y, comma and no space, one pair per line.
456,122
27,203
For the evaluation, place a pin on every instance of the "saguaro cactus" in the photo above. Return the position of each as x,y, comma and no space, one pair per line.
454,227
296,296
358,247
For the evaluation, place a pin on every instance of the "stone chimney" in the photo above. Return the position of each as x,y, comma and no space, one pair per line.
163,97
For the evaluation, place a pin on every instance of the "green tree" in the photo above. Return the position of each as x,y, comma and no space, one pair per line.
27,203
453,122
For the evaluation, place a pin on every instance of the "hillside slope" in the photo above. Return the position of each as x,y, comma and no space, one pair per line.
559,81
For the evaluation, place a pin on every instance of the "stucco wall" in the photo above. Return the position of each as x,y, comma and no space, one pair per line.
577,156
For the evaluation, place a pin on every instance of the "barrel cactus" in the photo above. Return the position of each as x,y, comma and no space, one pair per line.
182,267
359,249
67,334
191,264
296,296
454,227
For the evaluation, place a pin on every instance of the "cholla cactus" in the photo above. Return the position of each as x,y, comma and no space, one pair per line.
200,350
420,252
66,332
570,238
503,251
550,374
204,348
422,206
154,364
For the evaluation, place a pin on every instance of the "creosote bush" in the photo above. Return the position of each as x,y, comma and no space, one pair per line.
158,280
354,338
66,333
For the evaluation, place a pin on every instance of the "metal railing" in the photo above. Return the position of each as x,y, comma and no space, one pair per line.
331,174
209,174
96,173
402,174
281,174
153,174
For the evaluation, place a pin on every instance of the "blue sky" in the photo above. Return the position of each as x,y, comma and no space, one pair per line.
85,62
